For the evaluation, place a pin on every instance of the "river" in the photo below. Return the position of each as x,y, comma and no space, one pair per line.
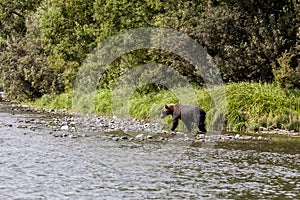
36,165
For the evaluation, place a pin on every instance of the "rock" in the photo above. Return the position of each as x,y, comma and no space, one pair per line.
115,139
198,141
64,135
73,136
259,137
33,128
199,136
263,129
64,128
229,137
246,137
139,136
237,136
161,138
149,137
124,137
21,126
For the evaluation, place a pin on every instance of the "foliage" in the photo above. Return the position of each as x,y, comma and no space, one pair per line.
244,37
13,16
284,75
24,69
67,34
59,102
251,105
44,42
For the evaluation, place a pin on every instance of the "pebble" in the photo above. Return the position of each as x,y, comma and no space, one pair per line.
21,126
161,138
149,137
73,136
64,135
33,128
237,136
64,128
259,137
200,136
140,136
124,137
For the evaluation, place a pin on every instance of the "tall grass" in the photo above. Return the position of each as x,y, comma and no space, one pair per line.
60,102
248,106
251,105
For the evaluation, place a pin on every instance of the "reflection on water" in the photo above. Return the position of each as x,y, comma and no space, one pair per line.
34,164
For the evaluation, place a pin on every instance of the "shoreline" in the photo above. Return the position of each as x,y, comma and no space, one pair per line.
71,124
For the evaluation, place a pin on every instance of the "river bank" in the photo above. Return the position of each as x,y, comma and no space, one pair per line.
63,123
249,107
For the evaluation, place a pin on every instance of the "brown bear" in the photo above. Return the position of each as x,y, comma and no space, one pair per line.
187,113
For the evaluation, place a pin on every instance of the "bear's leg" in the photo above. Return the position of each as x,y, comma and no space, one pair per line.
175,124
188,125
202,128
201,124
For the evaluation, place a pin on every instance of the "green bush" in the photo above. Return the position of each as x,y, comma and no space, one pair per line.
284,75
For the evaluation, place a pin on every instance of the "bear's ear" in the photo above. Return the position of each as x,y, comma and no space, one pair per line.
166,107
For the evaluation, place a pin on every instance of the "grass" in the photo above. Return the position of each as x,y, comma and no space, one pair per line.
60,102
248,106
251,105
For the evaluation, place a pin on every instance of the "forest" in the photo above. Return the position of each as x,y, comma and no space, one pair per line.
44,42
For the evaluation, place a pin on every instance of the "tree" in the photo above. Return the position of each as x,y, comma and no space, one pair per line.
13,16
244,37
67,35
24,68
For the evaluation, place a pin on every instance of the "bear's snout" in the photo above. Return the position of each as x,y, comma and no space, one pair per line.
163,115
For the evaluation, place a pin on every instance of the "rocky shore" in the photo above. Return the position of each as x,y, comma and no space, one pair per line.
66,124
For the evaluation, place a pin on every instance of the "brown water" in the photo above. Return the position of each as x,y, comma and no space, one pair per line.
36,165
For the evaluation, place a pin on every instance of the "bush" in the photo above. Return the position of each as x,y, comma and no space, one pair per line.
284,75
24,69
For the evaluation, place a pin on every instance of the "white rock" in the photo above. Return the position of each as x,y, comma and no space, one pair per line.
140,136
64,128
259,137
237,136
149,137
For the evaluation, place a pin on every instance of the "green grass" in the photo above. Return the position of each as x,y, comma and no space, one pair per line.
247,106
251,105
60,102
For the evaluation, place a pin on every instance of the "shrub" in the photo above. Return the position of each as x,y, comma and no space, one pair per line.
284,75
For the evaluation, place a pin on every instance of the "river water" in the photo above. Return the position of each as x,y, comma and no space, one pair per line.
36,165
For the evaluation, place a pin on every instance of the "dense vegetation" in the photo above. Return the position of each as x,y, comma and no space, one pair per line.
249,106
44,42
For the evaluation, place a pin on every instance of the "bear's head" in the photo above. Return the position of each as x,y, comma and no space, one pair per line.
167,110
